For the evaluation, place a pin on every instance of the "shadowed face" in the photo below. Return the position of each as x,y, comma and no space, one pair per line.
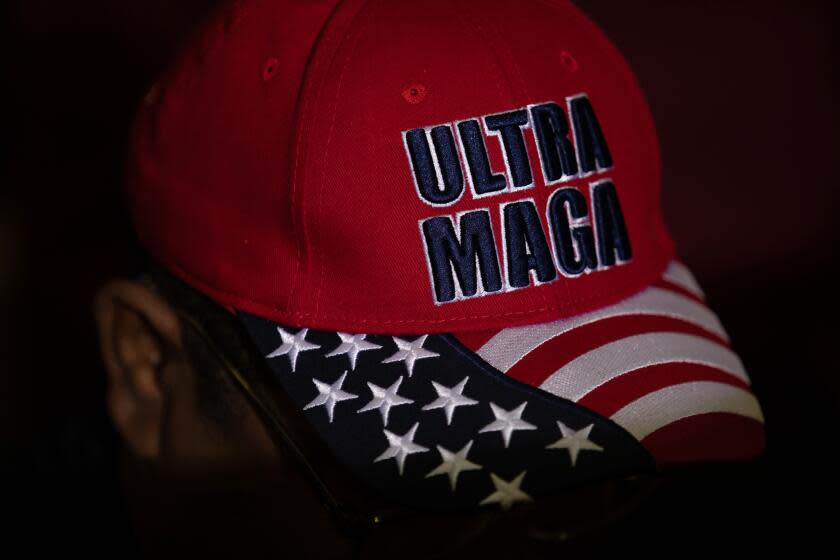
203,472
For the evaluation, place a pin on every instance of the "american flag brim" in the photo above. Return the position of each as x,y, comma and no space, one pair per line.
659,364
497,417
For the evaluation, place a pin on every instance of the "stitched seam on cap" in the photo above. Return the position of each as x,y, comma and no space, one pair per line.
303,103
319,185
481,36
515,92
606,46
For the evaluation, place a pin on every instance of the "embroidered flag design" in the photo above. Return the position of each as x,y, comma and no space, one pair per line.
495,418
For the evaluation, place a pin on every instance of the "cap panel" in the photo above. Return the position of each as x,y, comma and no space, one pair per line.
208,177
658,227
368,266
293,194
360,205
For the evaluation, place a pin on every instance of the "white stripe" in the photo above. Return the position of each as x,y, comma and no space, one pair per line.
660,408
510,345
679,274
593,369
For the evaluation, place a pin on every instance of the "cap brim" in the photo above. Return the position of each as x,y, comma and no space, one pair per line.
659,364
498,417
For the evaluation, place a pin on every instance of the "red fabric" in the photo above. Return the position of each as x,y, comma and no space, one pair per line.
703,436
292,197
610,397
665,284
476,339
715,436
550,356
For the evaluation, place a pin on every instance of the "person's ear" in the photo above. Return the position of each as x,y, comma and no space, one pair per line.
140,342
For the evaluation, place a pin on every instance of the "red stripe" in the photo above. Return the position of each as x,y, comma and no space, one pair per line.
541,362
476,339
666,285
624,389
714,436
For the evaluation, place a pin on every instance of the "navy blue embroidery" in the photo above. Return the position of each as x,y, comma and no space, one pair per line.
462,255
527,248
551,130
565,236
447,251
423,167
589,140
484,181
509,126
609,224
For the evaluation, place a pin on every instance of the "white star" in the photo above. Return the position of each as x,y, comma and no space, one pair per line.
449,398
352,344
293,344
401,446
507,492
329,395
507,421
383,399
454,463
410,352
574,441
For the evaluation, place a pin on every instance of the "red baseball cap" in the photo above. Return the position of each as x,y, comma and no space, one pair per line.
440,223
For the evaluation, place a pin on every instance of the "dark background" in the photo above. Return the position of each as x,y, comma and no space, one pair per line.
742,93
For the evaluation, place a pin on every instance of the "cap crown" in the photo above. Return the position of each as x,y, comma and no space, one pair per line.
388,166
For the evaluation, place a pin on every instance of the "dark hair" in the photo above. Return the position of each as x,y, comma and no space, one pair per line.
215,392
